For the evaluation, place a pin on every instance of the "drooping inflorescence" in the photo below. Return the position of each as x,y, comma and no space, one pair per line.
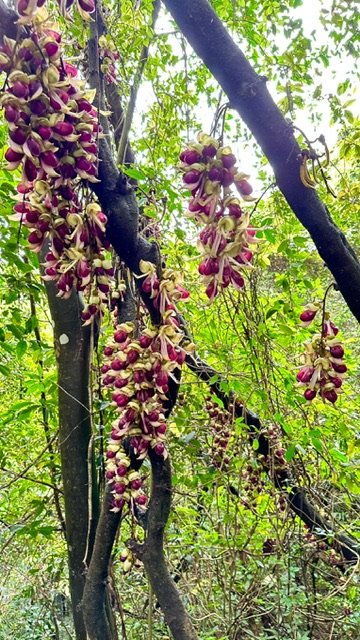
324,368
209,170
220,423
53,137
138,365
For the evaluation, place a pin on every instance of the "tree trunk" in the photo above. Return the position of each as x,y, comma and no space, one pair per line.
72,346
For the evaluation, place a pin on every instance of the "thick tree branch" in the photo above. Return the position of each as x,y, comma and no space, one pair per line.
45,414
248,94
94,600
282,477
8,19
152,552
72,347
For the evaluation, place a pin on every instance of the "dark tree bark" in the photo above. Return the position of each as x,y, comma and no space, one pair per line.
152,552
248,94
94,600
73,349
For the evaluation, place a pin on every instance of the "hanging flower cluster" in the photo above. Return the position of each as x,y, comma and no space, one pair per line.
275,460
324,368
128,560
220,419
209,170
108,58
273,463
253,486
137,369
53,133
28,8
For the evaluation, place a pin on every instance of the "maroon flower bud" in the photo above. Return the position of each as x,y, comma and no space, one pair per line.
145,341
161,429
235,210
190,156
144,394
120,336
18,136
141,500
191,177
118,503
33,147
118,365
307,315
11,113
13,156
132,356
52,49
337,382
209,151
139,377
215,174
35,89
130,415
82,164
121,399
121,470
66,192
84,105
67,171
337,351
20,89
244,187
159,448
228,160
85,136
120,383
30,170
38,108
90,148
49,158
25,117
44,132
305,374
237,279
339,368
309,394
227,177
211,290
136,484
119,487
22,6
330,395
181,357
153,416
35,237
32,217
63,129
108,351
70,69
